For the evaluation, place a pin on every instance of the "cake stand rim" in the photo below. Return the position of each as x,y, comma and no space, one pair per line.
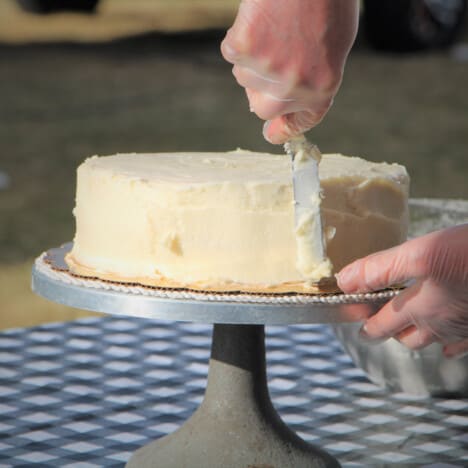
227,311
192,306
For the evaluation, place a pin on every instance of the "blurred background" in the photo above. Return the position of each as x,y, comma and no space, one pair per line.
87,77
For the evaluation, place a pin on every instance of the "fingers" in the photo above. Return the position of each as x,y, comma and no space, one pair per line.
268,98
440,254
251,78
281,129
238,42
267,106
275,99
227,51
388,267
374,272
420,315
277,131
390,321
411,318
456,350
416,338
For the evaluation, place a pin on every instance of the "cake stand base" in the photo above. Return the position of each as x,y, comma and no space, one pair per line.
236,425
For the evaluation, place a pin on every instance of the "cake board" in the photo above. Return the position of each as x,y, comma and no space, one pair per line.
236,426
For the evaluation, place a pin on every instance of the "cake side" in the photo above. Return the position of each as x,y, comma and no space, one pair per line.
223,221
364,207
189,219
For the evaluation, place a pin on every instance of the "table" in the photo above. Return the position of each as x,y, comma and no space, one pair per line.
89,393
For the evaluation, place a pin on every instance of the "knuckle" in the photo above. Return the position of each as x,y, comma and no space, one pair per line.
323,80
423,262
286,87
301,121
331,84
265,111
316,108
386,268
443,262
418,340
429,255
233,48
373,275
397,268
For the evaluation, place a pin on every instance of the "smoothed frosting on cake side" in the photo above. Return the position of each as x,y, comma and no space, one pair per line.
211,220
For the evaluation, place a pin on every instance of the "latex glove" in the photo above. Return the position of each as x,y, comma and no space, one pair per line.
289,55
434,307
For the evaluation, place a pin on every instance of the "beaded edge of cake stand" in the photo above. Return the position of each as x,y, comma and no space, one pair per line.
45,267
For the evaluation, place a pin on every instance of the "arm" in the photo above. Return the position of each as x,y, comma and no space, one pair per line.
289,55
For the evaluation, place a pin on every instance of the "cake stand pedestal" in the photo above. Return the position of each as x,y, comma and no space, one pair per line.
236,426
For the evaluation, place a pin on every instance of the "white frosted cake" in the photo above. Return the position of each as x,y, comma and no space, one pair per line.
225,221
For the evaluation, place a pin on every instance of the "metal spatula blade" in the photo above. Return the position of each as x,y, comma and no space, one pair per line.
305,158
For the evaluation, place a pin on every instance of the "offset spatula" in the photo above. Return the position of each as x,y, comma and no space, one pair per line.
312,262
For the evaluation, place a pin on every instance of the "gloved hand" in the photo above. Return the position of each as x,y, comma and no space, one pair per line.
289,55
434,307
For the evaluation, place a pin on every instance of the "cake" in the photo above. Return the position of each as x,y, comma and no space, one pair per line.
225,221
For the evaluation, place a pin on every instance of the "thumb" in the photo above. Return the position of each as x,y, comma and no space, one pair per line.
281,129
417,258
384,269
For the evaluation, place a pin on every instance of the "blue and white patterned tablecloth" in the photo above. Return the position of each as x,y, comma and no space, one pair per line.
88,393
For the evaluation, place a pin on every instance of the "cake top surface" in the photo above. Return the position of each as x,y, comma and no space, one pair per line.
234,166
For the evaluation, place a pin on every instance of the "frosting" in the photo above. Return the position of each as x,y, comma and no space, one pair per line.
218,218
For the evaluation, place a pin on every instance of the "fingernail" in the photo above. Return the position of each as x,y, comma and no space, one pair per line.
346,274
273,131
366,338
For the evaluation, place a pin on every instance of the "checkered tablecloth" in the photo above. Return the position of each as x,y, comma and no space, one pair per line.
88,393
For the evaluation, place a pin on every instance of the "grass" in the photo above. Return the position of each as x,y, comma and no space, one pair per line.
61,102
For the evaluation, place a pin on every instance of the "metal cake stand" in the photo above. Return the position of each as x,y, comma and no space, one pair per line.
236,426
